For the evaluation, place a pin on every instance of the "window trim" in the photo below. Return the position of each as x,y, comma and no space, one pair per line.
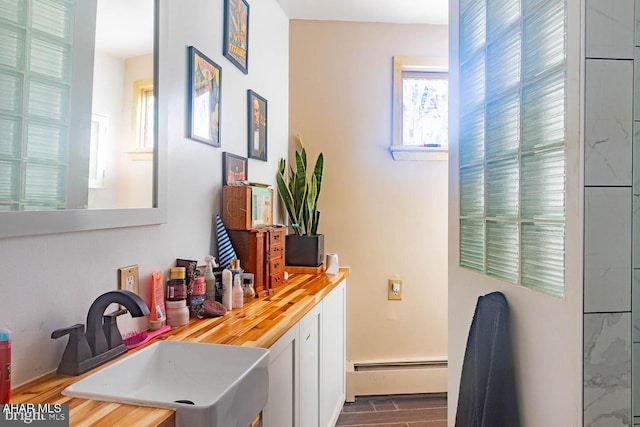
137,151
402,64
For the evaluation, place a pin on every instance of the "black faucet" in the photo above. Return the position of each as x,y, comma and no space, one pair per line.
102,341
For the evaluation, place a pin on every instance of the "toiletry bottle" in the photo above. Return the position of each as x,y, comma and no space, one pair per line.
5,365
177,285
235,268
209,278
247,285
227,297
197,296
238,293
157,310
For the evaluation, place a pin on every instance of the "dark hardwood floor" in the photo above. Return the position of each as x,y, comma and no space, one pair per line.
400,410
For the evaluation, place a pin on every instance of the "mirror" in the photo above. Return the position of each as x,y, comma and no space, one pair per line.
122,139
53,174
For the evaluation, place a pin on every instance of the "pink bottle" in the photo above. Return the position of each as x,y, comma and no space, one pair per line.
5,365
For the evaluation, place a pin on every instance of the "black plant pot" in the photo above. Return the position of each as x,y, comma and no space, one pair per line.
304,250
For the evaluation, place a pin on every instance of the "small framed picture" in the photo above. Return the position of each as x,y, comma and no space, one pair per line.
205,83
257,126
236,33
234,168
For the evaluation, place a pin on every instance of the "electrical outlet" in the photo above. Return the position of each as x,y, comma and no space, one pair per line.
128,278
395,289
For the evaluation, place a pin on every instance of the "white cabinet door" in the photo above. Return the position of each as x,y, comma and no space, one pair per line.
307,368
332,356
281,410
310,368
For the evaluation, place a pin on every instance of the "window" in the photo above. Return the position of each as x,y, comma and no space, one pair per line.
420,108
143,119
97,169
513,141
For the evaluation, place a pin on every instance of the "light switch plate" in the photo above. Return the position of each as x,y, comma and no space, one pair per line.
128,278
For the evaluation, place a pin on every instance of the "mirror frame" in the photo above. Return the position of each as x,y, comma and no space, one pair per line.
31,223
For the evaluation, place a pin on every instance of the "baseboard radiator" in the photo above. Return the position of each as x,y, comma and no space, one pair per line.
367,378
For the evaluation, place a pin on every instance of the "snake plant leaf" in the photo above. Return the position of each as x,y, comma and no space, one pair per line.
314,230
300,182
317,173
287,200
303,154
311,203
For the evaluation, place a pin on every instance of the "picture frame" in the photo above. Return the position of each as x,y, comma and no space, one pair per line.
234,168
236,33
205,94
256,126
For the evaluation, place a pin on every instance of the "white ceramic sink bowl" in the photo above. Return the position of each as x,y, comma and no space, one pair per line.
227,385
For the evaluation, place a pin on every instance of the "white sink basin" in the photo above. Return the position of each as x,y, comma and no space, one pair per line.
218,385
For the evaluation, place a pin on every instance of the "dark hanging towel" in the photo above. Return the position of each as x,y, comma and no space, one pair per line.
487,392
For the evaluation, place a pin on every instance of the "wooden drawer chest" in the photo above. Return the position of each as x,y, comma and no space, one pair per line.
261,252
275,257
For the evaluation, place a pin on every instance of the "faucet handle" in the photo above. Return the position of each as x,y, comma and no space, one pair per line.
110,327
77,349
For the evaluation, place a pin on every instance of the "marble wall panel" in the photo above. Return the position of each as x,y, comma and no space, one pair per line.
607,369
607,249
608,122
610,28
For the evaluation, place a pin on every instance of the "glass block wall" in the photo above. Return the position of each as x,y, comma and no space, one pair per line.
35,77
512,140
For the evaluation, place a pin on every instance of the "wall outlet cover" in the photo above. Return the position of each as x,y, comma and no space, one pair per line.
128,278
395,290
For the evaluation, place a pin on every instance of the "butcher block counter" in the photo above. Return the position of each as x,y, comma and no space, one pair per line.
258,324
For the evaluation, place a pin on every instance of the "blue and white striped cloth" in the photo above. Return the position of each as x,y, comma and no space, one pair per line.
225,250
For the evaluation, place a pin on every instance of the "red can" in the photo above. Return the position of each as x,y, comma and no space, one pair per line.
5,366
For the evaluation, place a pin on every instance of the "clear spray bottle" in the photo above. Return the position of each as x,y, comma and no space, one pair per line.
209,278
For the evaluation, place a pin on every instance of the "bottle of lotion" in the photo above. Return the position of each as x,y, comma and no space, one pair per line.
227,292
238,293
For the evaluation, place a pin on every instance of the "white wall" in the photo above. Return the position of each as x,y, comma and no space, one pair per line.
48,282
546,331
107,101
382,217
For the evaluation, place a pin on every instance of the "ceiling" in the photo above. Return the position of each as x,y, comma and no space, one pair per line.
395,11
124,28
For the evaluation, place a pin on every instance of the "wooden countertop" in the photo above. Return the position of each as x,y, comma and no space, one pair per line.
258,324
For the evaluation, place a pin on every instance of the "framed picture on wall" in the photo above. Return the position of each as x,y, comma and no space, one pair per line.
234,168
236,33
205,83
257,126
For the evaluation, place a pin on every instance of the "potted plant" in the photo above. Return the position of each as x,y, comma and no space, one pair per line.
299,194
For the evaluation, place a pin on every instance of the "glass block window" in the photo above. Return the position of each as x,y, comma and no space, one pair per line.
512,161
36,46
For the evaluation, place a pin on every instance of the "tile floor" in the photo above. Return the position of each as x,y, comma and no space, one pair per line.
406,410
